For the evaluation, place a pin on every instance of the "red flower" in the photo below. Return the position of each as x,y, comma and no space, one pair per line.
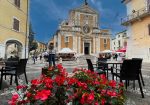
60,80
42,95
14,99
59,66
96,82
121,84
35,82
82,85
72,81
96,103
103,101
103,91
112,83
48,82
28,94
90,97
111,93
103,76
20,87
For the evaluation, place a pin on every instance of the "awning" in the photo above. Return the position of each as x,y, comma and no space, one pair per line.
66,50
121,50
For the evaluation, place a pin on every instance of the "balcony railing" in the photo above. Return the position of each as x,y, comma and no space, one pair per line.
136,15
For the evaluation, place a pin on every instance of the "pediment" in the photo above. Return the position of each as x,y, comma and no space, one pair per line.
86,9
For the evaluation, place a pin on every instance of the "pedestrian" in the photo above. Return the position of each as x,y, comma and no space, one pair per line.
33,58
116,56
36,57
51,57
40,57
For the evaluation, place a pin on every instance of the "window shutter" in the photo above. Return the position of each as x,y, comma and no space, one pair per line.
149,29
17,3
16,25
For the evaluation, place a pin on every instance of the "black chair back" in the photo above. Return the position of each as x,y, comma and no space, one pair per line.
130,69
102,65
102,59
21,68
139,60
90,65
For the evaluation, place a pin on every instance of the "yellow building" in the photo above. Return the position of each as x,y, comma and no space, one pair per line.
138,28
14,28
41,47
81,32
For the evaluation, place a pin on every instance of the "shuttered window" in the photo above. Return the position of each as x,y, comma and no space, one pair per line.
149,29
16,24
17,3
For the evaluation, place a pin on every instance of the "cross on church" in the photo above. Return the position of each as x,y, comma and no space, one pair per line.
86,2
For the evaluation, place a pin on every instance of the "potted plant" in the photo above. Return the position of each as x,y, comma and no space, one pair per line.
56,87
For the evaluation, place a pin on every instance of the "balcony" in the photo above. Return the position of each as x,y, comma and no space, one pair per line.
135,16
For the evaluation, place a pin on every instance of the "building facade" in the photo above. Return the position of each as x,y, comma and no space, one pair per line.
81,32
120,41
41,47
138,28
14,28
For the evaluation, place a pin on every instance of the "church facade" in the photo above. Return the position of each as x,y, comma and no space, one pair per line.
81,32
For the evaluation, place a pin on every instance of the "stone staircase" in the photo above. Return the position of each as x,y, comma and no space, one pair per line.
81,61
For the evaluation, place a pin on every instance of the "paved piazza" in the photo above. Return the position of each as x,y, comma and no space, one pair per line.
34,70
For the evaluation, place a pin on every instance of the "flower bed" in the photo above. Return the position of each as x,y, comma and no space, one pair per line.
55,87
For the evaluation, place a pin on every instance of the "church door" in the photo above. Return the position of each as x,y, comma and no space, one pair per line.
87,48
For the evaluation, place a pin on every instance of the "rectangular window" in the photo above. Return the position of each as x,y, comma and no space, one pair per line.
105,41
149,29
17,3
119,43
105,46
16,24
114,43
66,39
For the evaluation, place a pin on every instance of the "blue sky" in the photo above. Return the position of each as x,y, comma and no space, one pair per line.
45,15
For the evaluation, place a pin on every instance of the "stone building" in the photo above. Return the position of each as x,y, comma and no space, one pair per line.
138,28
14,28
81,33
120,41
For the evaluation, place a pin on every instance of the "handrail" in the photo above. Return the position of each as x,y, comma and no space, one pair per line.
136,14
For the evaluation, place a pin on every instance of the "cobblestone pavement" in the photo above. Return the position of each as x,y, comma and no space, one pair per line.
34,71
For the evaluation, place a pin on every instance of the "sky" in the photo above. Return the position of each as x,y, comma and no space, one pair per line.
45,15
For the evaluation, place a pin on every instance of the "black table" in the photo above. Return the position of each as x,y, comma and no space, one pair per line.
113,64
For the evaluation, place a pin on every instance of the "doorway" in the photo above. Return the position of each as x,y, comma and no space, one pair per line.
86,48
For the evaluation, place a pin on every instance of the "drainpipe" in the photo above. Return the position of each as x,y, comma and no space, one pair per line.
27,19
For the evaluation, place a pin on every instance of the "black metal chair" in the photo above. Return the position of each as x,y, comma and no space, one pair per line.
91,67
16,71
129,71
140,62
103,66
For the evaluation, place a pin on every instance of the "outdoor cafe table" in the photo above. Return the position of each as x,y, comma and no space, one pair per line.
113,64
